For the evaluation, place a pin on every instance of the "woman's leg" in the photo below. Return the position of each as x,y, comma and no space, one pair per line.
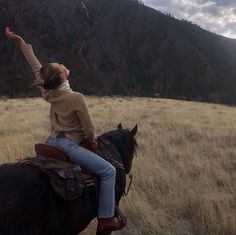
98,166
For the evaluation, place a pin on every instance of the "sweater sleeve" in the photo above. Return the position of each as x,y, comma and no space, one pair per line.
84,116
34,63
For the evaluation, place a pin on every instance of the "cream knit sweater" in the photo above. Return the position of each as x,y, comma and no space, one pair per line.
68,111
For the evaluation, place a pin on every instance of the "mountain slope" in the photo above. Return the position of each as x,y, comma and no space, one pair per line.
118,47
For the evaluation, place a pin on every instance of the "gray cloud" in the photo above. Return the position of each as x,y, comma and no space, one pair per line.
231,26
218,16
225,3
213,10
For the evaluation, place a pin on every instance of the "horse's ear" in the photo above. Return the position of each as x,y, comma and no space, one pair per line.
134,130
119,127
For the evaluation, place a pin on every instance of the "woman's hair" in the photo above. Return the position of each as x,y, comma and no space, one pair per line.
50,77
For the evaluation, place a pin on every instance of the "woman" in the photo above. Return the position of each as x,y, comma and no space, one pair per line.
70,122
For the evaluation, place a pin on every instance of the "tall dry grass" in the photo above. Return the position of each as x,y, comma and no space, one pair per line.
185,173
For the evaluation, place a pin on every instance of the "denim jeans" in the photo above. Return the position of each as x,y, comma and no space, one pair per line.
95,164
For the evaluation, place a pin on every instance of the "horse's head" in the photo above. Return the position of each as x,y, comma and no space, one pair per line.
125,143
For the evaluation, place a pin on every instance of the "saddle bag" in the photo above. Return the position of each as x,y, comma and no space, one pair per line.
65,178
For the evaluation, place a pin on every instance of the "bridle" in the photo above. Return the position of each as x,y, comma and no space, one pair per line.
130,178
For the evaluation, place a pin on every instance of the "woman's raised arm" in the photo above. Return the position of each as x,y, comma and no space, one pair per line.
27,51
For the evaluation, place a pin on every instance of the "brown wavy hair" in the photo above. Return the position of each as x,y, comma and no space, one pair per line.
50,77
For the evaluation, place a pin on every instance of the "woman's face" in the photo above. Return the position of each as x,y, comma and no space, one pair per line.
64,71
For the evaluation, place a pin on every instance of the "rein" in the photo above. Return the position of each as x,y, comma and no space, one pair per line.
130,182
130,179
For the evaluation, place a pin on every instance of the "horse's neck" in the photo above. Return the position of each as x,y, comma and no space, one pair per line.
110,153
116,161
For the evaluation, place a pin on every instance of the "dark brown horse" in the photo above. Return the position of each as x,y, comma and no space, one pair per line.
29,206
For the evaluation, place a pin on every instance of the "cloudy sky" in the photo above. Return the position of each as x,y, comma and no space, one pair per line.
217,16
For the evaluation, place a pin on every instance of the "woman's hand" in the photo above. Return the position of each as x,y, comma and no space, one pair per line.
88,144
94,145
10,34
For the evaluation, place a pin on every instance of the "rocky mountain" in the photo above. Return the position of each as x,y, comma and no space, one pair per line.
117,47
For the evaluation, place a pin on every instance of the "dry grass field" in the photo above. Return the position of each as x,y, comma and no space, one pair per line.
185,172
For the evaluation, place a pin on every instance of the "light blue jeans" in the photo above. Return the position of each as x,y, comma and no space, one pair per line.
95,164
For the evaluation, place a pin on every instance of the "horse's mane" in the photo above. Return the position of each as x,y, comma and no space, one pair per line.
124,142
122,139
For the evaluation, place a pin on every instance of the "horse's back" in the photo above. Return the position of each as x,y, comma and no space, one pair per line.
21,182
29,206
24,199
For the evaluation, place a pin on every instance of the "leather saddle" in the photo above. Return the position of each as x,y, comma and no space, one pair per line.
51,151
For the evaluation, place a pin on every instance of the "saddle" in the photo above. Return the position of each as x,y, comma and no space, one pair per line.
49,151
68,180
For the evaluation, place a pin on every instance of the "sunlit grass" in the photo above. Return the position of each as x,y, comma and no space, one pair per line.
184,176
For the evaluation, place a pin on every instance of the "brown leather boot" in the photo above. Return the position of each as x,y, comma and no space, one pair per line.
110,224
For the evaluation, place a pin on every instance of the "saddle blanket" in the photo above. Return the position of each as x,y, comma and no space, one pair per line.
65,177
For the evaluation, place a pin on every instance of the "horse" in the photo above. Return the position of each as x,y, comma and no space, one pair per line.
29,206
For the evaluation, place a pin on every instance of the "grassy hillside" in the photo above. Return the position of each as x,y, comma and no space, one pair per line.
184,176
